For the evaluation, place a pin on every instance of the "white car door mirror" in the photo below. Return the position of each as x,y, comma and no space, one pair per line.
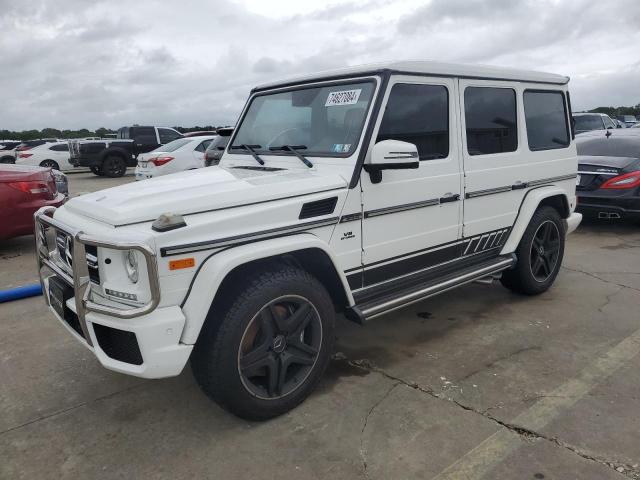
391,155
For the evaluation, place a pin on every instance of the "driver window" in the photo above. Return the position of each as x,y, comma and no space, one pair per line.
418,114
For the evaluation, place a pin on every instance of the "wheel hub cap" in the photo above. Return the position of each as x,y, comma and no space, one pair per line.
279,344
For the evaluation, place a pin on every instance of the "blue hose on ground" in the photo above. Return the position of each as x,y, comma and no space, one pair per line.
20,292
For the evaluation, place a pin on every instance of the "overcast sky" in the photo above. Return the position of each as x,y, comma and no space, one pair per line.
80,63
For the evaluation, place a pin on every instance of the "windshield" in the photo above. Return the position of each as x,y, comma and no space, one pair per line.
173,146
623,146
588,122
321,121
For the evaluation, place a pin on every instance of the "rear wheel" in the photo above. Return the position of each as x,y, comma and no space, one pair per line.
114,167
269,347
50,164
97,170
539,254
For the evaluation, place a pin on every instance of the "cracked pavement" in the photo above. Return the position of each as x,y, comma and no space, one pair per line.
476,383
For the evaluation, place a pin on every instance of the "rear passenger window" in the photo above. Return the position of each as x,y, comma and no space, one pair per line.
546,118
418,114
490,115
64,147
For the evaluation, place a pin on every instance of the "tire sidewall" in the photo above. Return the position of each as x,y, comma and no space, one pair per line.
524,249
115,162
53,165
224,354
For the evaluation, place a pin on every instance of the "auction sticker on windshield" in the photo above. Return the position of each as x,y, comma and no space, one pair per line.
343,97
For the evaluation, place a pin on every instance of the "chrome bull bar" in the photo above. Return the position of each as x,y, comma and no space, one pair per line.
79,278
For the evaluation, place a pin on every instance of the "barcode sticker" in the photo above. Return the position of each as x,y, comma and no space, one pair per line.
343,97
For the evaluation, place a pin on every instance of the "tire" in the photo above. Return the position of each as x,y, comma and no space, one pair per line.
114,167
539,254
96,170
278,319
50,164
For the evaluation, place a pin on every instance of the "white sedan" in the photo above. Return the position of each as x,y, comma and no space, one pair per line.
177,156
53,155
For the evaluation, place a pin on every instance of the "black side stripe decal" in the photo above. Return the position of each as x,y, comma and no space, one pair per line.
402,208
412,262
517,186
248,237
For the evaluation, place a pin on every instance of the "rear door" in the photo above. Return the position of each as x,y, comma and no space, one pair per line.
412,218
516,136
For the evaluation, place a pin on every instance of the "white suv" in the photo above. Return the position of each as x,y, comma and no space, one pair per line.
358,191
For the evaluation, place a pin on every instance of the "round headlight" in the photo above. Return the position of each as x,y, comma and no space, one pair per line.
131,265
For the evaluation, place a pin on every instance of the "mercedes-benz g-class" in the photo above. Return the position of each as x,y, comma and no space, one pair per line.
357,192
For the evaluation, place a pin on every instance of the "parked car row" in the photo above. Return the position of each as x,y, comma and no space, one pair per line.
586,122
608,182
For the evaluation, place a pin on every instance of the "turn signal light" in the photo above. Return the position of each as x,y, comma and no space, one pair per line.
160,160
182,263
628,180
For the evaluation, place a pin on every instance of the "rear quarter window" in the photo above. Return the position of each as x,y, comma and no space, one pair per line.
546,118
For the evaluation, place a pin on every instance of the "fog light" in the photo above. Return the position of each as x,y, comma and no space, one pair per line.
125,295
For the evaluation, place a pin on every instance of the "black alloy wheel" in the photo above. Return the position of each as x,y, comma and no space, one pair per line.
50,164
280,347
545,250
114,167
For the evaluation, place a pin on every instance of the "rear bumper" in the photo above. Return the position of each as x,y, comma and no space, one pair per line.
625,205
18,220
573,221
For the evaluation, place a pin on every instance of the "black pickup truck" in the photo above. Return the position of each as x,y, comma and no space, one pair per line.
111,156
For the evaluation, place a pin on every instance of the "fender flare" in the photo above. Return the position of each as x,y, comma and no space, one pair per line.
215,268
116,152
527,208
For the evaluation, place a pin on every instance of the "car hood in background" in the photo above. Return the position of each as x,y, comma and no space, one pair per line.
196,191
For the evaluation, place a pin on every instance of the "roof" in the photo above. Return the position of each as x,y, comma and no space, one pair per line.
582,114
419,67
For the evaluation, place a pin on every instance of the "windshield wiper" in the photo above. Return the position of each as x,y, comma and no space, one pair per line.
294,149
250,149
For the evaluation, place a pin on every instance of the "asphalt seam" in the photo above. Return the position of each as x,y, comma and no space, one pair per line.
623,468
68,409
363,450
593,275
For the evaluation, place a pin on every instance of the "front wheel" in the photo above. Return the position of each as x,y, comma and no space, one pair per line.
539,254
267,350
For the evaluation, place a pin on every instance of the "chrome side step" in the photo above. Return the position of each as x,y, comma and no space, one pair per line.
371,310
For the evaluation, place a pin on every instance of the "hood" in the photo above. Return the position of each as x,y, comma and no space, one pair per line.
196,191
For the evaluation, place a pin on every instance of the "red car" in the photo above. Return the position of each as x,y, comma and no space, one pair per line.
23,190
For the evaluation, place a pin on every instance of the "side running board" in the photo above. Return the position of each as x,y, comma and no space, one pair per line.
386,304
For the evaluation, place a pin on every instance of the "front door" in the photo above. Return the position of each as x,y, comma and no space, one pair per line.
412,218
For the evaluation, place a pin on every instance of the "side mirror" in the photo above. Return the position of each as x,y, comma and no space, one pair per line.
391,155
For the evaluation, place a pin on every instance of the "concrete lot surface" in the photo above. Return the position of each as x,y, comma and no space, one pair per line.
476,383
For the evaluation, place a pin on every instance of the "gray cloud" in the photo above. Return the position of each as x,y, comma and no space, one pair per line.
72,63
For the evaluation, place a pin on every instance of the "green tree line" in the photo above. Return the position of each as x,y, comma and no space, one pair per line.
615,111
83,132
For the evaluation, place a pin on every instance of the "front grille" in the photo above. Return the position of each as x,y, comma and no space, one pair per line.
118,344
64,244
92,263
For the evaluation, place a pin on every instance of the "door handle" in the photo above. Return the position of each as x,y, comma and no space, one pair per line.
449,197
519,185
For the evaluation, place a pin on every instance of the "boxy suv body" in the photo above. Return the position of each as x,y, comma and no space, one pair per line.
358,191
